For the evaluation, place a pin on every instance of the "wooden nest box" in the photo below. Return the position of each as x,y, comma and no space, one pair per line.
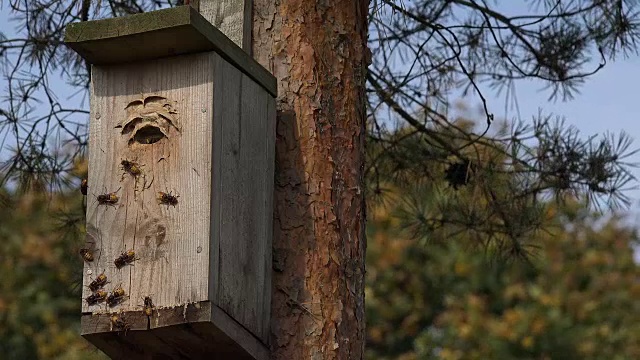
180,189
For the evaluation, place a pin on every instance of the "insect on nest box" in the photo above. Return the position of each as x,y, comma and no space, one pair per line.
181,169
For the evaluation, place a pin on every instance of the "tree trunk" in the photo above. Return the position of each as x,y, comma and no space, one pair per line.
317,51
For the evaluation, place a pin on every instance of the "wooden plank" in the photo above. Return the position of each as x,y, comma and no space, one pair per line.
171,243
243,233
267,225
186,313
232,17
157,34
250,343
100,323
198,330
255,152
118,346
227,91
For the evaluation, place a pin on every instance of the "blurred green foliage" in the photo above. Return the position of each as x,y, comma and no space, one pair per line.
41,277
434,291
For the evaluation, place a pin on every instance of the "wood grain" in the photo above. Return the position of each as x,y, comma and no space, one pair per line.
193,331
267,225
232,17
170,242
156,34
213,248
246,132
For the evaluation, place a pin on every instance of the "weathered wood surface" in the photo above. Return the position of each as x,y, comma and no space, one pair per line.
267,228
156,34
244,136
172,243
185,253
192,331
232,17
214,246
98,323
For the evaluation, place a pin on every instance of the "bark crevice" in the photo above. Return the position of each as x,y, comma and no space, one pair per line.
318,54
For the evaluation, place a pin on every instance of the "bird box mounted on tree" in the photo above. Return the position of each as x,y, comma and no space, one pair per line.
180,187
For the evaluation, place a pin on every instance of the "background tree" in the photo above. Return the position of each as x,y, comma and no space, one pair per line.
41,276
423,52
434,293
319,212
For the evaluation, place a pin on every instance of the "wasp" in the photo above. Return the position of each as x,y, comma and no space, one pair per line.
115,297
89,251
148,306
86,254
97,297
84,185
119,323
131,167
108,199
125,258
168,198
99,282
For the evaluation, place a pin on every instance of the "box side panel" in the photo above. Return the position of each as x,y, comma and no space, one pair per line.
246,180
194,331
220,94
267,228
169,100
226,122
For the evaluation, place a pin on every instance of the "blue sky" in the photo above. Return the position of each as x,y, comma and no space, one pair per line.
608,101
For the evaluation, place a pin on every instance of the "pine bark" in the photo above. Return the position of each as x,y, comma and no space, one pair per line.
318,52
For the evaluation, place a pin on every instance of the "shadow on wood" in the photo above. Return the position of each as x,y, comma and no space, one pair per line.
193,331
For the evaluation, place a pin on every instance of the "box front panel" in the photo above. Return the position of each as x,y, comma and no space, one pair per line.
148,203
